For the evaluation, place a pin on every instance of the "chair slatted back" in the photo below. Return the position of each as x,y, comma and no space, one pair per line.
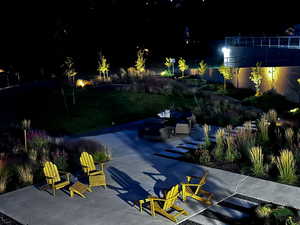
202,182
51,173
171,197
87,162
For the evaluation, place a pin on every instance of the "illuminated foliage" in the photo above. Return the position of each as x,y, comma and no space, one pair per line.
103,67
256,77
182,65
202,67
69,67
227,73
140,62
168,63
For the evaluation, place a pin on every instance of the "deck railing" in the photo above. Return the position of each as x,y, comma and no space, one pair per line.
291,42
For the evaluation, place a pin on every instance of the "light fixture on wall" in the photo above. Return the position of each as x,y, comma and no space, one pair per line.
271,72
226,54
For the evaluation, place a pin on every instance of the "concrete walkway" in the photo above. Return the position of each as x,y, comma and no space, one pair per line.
134,173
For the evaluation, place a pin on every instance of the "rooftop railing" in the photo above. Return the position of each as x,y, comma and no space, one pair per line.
291,42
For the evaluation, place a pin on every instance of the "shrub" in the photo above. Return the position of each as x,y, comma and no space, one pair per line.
231,154
32,155
37,139
25,174
60,159
257,159
286,166
263,211
204,156
281,214
219,149
102,156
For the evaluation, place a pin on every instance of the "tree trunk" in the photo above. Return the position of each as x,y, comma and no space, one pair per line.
224,84
25,140
73,90
64,97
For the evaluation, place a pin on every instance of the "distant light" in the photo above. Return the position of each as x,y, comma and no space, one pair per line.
295,110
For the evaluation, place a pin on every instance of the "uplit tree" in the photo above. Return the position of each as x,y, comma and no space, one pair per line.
202,68
70,72
103,67
182,66
140,62
256,77
227,74
168,63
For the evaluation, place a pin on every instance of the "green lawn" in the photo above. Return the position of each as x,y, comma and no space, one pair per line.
94,109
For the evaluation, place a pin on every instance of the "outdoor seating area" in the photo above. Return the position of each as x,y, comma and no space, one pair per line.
189,193
168,124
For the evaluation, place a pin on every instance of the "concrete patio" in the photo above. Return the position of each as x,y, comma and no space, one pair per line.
132,174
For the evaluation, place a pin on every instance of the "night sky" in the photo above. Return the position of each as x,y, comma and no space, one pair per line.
40,34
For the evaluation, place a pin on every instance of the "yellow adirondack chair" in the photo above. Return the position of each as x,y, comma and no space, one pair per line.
53,177
96,177
163,205
195,190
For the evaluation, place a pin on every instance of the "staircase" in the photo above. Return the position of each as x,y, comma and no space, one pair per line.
228,212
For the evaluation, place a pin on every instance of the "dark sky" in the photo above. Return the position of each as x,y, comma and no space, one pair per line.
45,32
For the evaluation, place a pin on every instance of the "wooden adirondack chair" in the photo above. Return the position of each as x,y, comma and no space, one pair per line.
53,177
163,205
195,190
96,177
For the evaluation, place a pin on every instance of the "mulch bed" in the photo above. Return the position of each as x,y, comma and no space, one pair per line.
6,220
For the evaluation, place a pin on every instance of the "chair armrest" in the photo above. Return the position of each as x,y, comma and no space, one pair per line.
67,174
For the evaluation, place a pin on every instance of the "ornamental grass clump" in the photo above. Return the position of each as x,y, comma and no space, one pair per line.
245,140
25,174
289,136
272,116
286,166
257,160
219,149
3,180
206,130
231,153
263,126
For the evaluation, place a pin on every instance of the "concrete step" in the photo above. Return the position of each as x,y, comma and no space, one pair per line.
228,212
177,150
194,142
203,220
170,155
241,202
188,146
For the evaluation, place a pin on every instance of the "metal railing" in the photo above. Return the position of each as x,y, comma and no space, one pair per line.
290,42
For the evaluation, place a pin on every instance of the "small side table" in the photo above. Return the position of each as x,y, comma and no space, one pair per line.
79,188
